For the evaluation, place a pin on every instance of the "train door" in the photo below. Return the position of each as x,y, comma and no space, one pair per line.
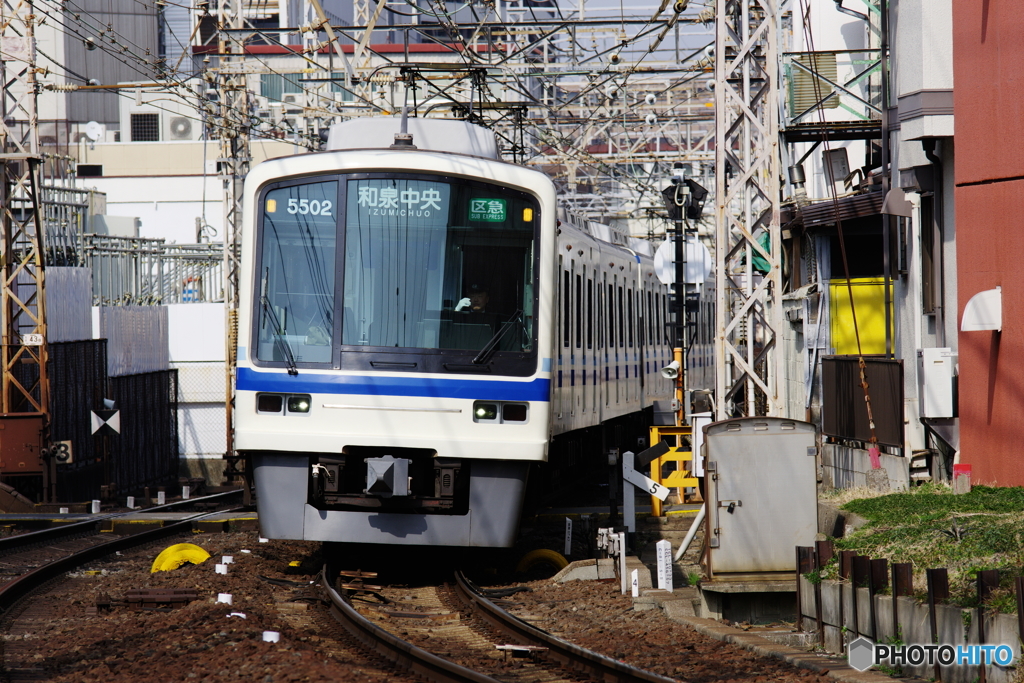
561,327
603,327
581,349
589,367
574,380
610,356
620,350
633,383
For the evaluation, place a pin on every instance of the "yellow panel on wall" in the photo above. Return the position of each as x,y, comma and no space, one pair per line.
869,300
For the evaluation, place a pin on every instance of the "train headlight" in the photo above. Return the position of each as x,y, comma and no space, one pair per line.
485,412
299,403
501,413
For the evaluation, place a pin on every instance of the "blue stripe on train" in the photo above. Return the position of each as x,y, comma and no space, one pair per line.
433,387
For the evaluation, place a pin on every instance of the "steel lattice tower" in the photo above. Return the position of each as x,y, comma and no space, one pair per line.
24,354
749,276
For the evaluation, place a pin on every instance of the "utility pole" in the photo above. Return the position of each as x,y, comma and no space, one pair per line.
232,128
747,356
24,399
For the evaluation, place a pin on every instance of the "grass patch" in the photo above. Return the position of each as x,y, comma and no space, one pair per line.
930,527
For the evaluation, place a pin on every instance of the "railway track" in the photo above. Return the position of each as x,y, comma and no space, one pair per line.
22,554
457,635
456,632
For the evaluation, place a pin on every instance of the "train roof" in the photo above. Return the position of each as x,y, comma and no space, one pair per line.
606,233
435,135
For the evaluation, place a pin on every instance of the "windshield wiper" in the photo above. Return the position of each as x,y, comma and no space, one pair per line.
490,347
293,369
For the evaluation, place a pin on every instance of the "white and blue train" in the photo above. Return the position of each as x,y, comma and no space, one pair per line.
416,326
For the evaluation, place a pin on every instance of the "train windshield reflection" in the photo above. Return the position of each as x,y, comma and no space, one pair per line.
434,263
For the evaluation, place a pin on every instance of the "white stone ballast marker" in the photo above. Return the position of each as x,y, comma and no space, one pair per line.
131,503
227,559
264,540
224,598
95,507
271,636
161,498
221,568
64,511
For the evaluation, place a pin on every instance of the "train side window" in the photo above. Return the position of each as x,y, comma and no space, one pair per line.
565,308
622,321
579,311
590,313
611,316
632,317
650,316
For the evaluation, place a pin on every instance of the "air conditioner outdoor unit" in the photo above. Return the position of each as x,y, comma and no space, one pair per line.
936,369
181,128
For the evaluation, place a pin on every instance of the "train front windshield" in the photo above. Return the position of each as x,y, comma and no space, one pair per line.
356,269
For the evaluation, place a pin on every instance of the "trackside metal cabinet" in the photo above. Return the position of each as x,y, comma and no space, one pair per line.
762,496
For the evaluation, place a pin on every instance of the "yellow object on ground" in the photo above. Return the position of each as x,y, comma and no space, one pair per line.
541,556
295,563
176,555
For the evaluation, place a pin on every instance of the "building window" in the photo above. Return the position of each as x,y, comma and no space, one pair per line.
145,127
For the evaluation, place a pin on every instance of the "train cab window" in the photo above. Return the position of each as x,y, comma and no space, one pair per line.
358,269
436,263
295,295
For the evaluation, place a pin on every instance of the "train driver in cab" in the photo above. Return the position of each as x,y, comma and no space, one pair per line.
475,300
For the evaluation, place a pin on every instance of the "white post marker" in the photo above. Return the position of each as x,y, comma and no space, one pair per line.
227,559
64,511
664,552
185,492
224,598
634,582
131,502
635,478
620,545
161,498
271,636
628,494
95,507
220,568
568,537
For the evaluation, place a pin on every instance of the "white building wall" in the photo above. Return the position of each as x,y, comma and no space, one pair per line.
197,347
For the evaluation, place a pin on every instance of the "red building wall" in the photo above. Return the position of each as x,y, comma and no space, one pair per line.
988,58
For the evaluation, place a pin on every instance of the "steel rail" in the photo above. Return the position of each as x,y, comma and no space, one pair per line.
394,649
18,588
566,654
11,543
